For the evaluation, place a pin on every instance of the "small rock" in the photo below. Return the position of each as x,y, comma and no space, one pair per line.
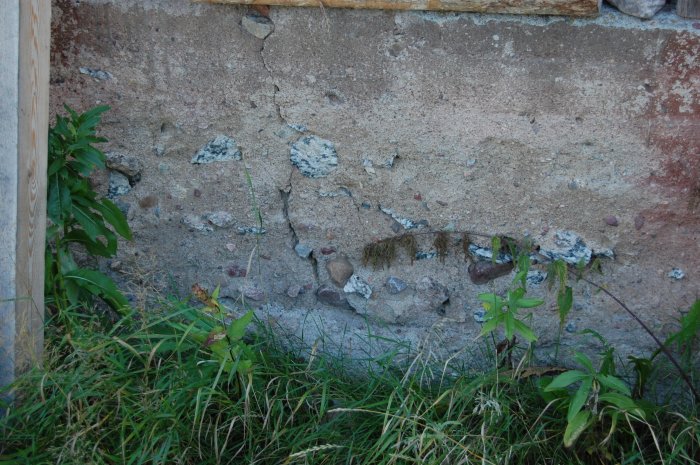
339,270
358,286
253,292
483,272
425,255
197,223
571,327
126,164
197,193
258,25
417,197
471,162
638,222
293,290
159,150
485,253
148,202
639,8
480,315
313,156
327,250
221,148
567,246
331,296
676,273
536,277
366,205
118,184
303,250
231,247
405,222
611,220
243,230
95,73
236,271
220,219
395,285
115,265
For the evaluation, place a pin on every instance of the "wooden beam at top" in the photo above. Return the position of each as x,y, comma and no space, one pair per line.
525,7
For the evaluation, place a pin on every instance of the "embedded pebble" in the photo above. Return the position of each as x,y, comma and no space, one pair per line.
197,223
95,73
236,271
486,253
303,250
676,273
611,220
221,148
241,230
220,219
536,277
567,246
128,165
483,272
480,315
258,25
293,290
329,295
640,8
327,250
253,292
638,222
313,156
395,285
571,327
358,286
118,184
339,270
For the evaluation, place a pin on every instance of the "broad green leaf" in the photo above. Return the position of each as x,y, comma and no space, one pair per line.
93,226
236,329
509,325
616,384
623,403
565,379
114,216
489,326
565,300
579,398
575,427
584,361
525,331
528,303
99,285
95,247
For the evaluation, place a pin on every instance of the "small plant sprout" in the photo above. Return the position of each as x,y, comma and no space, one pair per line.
504,312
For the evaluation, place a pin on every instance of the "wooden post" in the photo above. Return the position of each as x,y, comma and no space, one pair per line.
688,8
24,117
527,7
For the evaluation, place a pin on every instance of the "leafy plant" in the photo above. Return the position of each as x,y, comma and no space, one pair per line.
77,216
599,394
504,312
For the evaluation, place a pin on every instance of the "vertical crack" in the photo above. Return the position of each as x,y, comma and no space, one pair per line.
275,87
285,194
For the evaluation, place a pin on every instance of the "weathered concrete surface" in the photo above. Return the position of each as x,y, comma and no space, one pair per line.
501,126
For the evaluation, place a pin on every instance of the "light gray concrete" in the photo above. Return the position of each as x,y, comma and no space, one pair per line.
9,100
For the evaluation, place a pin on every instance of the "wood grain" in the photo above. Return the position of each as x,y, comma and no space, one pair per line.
688,8
530,7
34,43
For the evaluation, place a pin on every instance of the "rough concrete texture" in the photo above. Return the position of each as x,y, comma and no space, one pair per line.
517,126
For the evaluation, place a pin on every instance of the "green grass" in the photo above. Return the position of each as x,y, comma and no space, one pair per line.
144,391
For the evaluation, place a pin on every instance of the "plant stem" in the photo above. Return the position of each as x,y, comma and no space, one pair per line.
661,345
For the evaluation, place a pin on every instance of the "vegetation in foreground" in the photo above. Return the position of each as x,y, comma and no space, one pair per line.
186,385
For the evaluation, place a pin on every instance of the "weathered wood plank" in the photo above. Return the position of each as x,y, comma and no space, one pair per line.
34,45
528,7
688,8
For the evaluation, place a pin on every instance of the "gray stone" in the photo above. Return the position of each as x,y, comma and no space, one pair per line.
331,296
480,315
258,25
485,253
358,286
567,246
395,285
430,295
222,148
303,250
639,8
339,270
221,219
118,184
676,273
313,156
128,165
536,277
571,327
405,222
255,231
197,223
253,292
95,73
293,290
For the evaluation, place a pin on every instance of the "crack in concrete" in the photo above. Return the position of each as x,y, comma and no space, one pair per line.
275,87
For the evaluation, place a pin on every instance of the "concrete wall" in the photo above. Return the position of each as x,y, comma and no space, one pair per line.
495,124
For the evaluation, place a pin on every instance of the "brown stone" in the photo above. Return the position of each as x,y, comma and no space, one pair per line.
483,272
339,269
